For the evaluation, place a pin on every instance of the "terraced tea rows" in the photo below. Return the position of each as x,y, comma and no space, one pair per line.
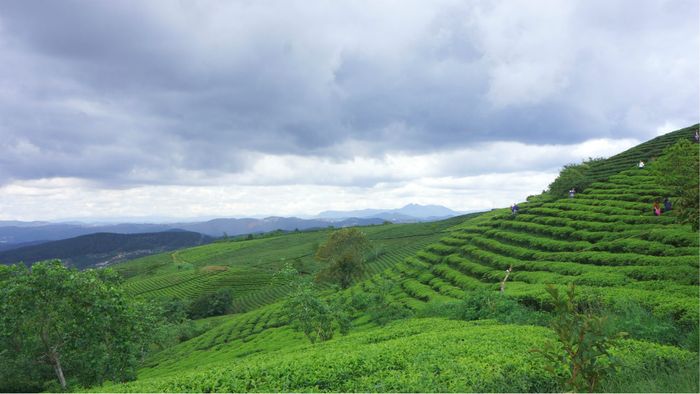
605,240
416,355
247,266
196,282
646,152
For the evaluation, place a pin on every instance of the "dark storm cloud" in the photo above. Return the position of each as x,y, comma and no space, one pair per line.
152,92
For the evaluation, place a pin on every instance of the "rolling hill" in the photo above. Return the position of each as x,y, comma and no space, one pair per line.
605,240
246,266
103,249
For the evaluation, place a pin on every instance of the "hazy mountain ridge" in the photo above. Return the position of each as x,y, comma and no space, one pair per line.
407,213
15,233
102,249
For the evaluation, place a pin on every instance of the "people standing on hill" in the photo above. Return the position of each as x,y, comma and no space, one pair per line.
696,136
572,192
657,208
667,204
641,164
514,209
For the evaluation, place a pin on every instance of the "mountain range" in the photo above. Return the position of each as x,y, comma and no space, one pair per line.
408,213
15,234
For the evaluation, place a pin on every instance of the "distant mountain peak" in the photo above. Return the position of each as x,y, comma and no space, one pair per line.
407,213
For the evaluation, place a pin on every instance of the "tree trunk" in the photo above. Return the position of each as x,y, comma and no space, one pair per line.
54,358
57,367
503,282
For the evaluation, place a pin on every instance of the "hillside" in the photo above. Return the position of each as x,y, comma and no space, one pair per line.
102,249
640,269
246,266
418,355
647,151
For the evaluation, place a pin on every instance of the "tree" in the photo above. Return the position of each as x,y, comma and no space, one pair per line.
76,326
307,311
677,169
344,252
379,304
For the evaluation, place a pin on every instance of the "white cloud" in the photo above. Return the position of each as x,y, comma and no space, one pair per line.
488,176
206,106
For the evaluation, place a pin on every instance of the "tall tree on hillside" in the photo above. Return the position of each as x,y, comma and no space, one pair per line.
678,170
344,253
76,326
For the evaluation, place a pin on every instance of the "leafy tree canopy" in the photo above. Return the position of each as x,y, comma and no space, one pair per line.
308,312
345,254
68,326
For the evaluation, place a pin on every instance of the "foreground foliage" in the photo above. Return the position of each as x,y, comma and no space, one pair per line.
69,326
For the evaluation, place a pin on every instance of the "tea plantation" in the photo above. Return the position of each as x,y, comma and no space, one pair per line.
247,266
605,240
417,355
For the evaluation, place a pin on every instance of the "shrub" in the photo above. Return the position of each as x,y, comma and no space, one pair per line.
572,175
482,305
580,357
218,303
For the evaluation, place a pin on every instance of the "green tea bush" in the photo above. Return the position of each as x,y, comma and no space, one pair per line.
418,290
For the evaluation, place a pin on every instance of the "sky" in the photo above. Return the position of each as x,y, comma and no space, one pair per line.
186,109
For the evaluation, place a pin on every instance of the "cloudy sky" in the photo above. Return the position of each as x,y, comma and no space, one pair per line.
121,109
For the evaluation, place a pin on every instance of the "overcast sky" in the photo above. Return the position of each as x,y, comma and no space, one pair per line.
238,108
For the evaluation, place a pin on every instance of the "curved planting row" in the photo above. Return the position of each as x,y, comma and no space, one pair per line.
605,240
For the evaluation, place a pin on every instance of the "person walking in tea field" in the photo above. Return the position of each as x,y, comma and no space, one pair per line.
572,192
514,209
641,164
696,136
657,208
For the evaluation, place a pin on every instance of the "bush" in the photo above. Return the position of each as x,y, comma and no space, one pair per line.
482,305
218,303
640,323
573,175
580,357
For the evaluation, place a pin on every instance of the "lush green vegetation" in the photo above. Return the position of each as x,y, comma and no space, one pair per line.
344,256
410,355
468,304
246,267
61,325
